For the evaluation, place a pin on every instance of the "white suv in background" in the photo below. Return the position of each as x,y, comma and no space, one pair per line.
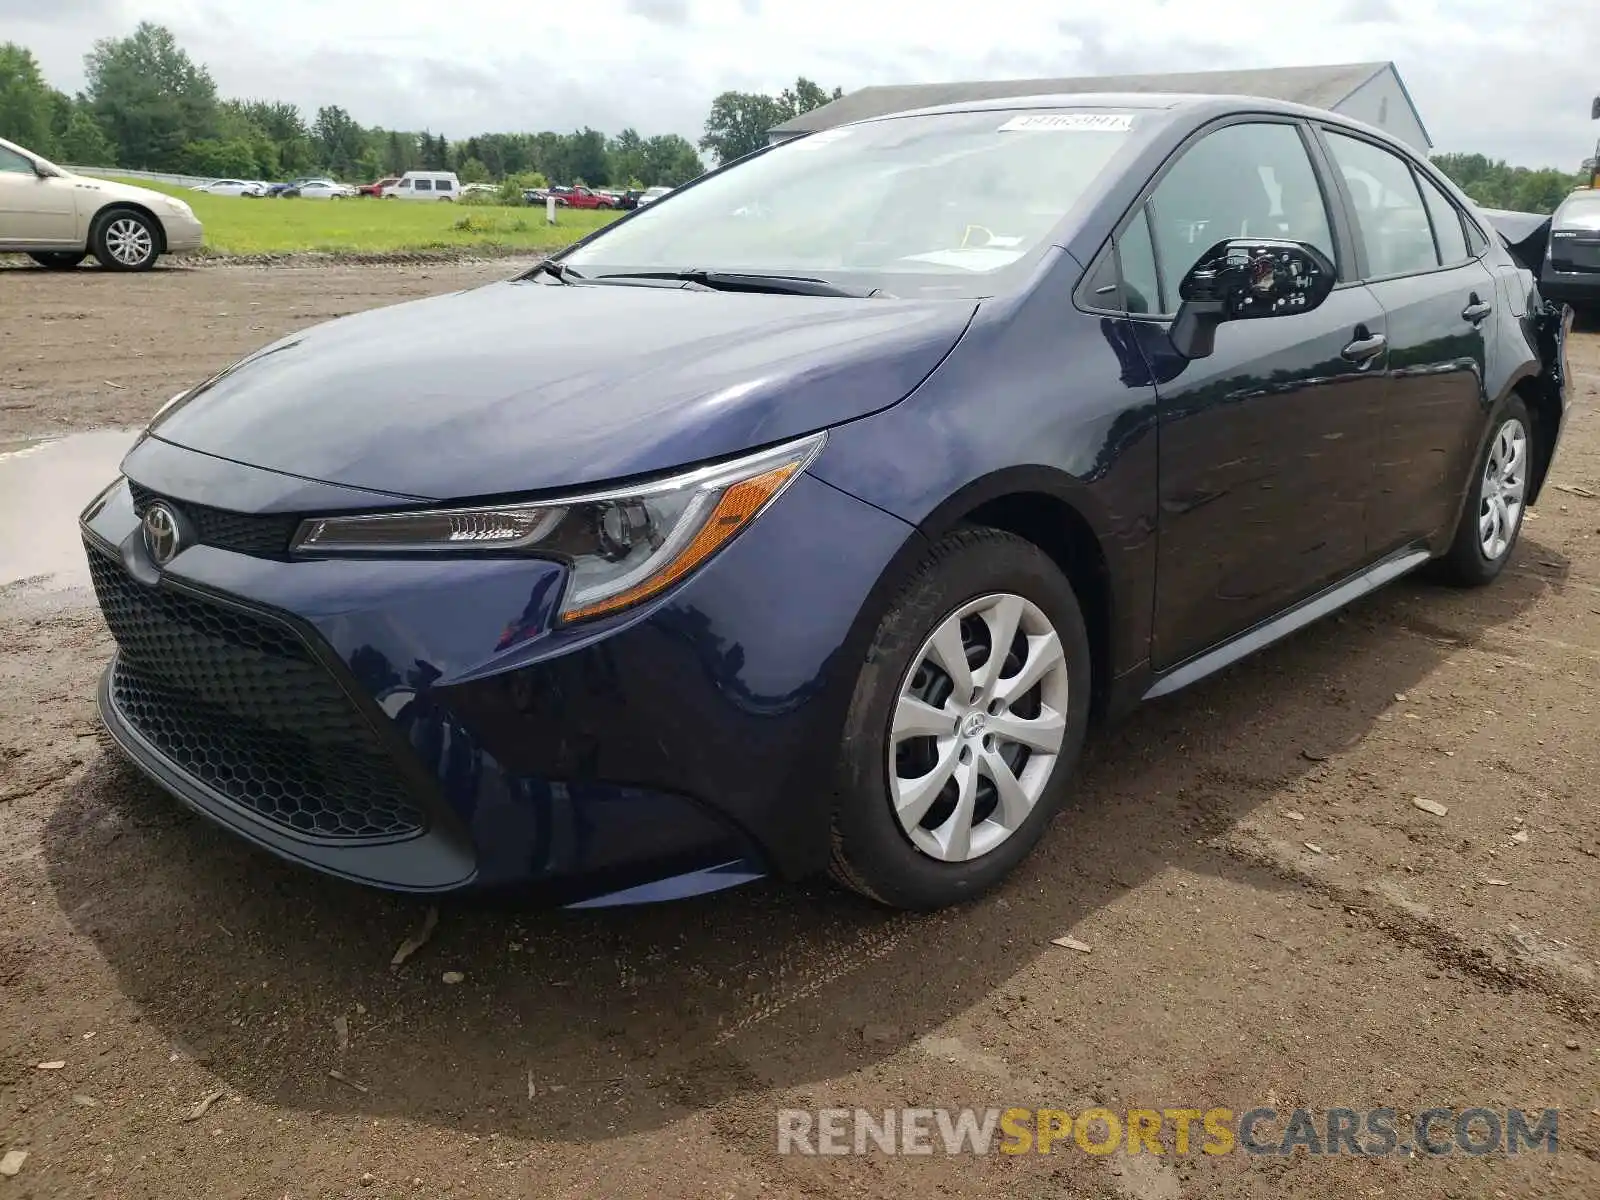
424,185
60,219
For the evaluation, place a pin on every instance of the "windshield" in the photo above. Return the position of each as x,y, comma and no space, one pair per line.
952,204
1579,212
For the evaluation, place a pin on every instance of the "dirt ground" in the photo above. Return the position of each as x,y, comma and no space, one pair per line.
1271,919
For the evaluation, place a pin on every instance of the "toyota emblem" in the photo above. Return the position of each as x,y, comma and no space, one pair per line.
161,536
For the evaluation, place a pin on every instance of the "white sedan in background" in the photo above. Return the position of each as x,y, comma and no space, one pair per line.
231,187
322,189
651,195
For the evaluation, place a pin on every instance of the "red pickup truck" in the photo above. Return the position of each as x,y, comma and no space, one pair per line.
582,197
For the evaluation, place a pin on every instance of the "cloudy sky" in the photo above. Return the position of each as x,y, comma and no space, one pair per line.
1516,87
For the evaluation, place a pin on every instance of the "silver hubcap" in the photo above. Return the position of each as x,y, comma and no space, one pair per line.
1505,483
978,727
129,242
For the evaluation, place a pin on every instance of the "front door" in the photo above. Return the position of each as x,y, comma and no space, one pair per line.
1439,301
34,211
1268,444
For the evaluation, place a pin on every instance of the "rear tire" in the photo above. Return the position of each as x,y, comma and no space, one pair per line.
59,260
936,796
125,239
1491,519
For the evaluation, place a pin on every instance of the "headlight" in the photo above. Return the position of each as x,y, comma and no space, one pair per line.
178,206
623,546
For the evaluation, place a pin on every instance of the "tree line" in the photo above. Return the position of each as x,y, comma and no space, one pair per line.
148,105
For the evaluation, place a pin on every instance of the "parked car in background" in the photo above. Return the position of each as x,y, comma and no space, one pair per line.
375,188
320,189
819,546
651,195
478,189
231,187
424,185
59,219
274,190
630,198
583,197
1571,271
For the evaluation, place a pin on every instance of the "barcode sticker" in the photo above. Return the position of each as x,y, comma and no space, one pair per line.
1072,122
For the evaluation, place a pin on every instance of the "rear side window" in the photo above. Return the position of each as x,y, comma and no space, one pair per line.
1251,180
444,185
424,185
1446,218
1390,218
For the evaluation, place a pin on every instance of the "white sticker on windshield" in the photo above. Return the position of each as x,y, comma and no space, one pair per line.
1072,121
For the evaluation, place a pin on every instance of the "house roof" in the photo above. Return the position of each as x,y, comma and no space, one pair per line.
1320,87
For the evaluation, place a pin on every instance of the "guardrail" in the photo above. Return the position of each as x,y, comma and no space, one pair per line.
153,176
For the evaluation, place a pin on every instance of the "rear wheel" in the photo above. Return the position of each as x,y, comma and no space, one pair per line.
59,260
1492,518
126,240
965,727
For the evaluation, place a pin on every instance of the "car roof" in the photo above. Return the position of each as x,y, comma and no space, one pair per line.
1197,107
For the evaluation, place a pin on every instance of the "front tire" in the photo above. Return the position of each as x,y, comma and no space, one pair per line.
126,240
59,260
965,727
1491,520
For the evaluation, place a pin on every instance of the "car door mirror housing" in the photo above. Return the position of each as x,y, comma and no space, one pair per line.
1247,279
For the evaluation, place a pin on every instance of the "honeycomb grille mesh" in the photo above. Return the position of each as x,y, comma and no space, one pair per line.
241,705
260,536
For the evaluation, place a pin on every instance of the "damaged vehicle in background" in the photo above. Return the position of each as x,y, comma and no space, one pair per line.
813,538
1571,271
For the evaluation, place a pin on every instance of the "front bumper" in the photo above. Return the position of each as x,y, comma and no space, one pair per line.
420,725
182,234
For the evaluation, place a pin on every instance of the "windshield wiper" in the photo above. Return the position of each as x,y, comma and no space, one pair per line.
741,281
556,270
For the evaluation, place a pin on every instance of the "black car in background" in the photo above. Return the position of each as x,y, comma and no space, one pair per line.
1571,273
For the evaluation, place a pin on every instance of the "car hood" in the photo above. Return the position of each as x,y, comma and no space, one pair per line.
157,202
526,386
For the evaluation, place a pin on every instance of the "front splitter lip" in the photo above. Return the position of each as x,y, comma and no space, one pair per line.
424,864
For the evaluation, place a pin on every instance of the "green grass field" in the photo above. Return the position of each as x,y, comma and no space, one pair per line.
363,225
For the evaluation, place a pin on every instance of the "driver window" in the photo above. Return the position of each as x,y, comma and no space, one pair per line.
14,164
1251,180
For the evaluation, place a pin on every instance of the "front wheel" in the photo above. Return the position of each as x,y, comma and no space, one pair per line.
59,260
965,726
1492,517
125,240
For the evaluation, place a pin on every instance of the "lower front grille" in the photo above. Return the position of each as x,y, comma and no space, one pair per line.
239,703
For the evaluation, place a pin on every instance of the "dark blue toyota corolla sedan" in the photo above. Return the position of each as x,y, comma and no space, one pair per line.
803,519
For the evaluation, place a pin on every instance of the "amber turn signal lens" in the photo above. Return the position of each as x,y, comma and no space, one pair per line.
737,507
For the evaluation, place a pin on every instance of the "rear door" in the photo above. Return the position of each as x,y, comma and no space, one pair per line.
1439,304
34,211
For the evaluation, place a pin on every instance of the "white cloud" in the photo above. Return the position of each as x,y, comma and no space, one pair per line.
1488,75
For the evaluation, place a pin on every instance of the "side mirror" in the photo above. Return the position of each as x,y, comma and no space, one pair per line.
1246,279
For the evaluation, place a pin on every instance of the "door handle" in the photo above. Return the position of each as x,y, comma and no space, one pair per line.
1365,348
1476,310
